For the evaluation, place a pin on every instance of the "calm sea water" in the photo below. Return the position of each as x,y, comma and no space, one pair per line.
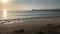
28,14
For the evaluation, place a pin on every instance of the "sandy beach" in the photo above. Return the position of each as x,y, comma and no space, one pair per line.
30,26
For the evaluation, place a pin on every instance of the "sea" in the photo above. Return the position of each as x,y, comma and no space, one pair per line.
28,14
28,26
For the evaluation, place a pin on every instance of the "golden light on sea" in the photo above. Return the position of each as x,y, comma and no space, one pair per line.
5,13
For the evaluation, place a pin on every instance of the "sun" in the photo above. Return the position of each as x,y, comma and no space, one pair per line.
4,1
7,1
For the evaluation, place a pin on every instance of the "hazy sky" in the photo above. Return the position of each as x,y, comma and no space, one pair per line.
30,4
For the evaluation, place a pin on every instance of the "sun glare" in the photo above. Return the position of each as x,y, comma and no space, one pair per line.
5,13
4,1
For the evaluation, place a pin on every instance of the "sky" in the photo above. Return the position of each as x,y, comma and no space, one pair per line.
29,4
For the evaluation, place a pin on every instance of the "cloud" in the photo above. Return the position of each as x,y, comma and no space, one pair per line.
19,5
30,4
13,6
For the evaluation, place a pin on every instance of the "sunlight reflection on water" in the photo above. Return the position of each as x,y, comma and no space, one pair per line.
27,14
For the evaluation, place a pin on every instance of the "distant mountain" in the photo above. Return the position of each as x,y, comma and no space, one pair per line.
45,9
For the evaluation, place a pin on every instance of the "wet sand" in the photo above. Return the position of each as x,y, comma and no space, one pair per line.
30,26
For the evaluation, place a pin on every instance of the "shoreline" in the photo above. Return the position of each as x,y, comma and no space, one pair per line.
30,26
